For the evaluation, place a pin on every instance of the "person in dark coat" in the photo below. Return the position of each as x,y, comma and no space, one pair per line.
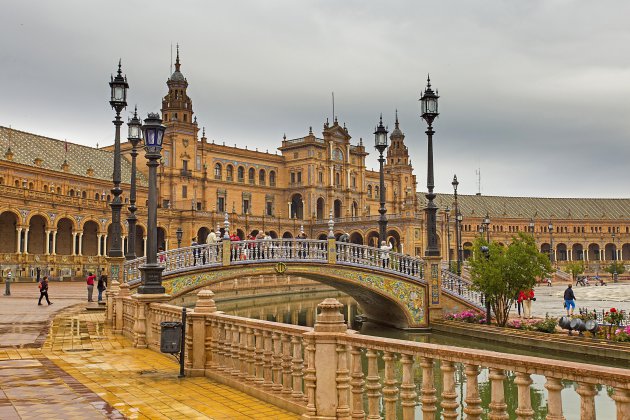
569,300
101,286
43,291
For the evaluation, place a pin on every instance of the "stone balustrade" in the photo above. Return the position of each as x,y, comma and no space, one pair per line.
331,372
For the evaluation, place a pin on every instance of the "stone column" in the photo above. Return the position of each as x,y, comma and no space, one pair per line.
197,357
26,240
19,240
47,244
80,243
622,400
98,245
449,394
554,399
143,317
329,324
428,390
587,394
473,408
111,295
497,399
54,244
74,243
524,410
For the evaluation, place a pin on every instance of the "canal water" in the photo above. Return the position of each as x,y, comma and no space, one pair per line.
301,308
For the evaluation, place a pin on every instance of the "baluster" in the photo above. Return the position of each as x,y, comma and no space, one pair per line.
267,360
213,363
390,391
449,394
497,398
309,375
473,408
297,368
259,357
276,362
236,364
428,389
622,400
357,384
227,348
408,393
251,355
286,363
524,410
242,352
554,399
373,386
587,394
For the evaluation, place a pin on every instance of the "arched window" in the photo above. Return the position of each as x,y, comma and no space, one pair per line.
230,173
96,196
17,183
2,181
261,177
337,179
30,186
45,189
241,174
217,171
71,192
83,194
376,194
369,191
272,178
251,175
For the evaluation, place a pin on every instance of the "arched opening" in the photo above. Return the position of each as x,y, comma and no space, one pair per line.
262,179
356,238
110,236
161,238
251,176
561,252
240,234
625,252
393,237
355,209
218,171
229,171
321,205
369,191
322,237
467,249
593,252
202,235
372,239
272,178
8,232
140,234
273,234
287,235
254,233
337,209
297,206
64,236
37,235
89,241
577,252
610,252
545,249
241,174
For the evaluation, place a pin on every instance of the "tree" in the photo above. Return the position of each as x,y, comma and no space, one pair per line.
615,264
575,269
500,272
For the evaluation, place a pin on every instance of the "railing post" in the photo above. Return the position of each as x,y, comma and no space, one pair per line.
227,249
554,399
390,391
119,311
449,394
587,394
358,384
111,294
434,278
473,408
428,390
332,251
497,395
408,393
205,305
524,410
622,400
322,352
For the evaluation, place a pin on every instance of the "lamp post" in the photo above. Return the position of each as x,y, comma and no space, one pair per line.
458,227
614,258
429,106
486,225
179,233
134,137
153,131
447,211
118,86
532,227
551,256
380,143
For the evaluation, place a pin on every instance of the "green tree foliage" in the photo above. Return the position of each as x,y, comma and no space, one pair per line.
611,268
501,272
575,268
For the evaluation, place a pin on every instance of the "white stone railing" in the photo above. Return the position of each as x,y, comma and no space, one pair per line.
272,250
329,371
457,286
381,260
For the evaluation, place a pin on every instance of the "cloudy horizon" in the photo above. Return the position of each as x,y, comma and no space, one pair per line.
533,94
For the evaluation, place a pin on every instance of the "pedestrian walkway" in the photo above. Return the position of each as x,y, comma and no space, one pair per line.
85,371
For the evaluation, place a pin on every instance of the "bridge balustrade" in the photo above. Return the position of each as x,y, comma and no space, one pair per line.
459,287
264,250
367,256
331,372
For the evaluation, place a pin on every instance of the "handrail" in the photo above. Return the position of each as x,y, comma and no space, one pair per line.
382,260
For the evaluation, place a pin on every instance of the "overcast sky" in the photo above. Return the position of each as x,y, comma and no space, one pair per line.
535,94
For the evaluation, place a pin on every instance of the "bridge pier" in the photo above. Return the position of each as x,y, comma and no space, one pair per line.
434,279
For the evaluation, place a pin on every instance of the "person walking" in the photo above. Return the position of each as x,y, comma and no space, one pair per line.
43,291
101,286
526,297
7,284
385,248
569,300
90,286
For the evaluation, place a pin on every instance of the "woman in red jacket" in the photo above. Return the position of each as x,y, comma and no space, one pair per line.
526,297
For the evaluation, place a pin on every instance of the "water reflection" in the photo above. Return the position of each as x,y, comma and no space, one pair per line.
301,309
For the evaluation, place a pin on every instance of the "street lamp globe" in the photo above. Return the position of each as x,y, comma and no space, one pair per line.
550,227
135,129
179,233
153,131
429,103
486,221
118,86
531,225
380,137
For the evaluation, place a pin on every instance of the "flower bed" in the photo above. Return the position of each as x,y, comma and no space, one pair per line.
547,325
470,316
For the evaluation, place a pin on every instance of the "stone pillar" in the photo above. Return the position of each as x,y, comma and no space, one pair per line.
115,269
47,244
26,241
587,394
554,399
433,275
497,399
227,247
524,410
19,240
54,244
332,251
118,320
197,357
111,295
98,245
329,323
473,408
143,318
622,400
80,243
74,243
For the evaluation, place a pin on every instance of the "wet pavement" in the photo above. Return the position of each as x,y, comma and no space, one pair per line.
83,371
549,300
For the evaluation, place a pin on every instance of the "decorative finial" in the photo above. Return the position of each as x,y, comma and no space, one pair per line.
310,131
331,225
360,141
203,132
177,59
381,119
226,225
120,66
396,117
195,120
284,137
336,123
428,81
218,232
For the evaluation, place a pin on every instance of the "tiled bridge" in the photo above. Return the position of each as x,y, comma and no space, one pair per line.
390,287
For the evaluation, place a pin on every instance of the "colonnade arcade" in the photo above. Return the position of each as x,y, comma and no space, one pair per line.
46,234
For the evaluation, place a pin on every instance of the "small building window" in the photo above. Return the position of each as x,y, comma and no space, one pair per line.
230,173
184,191
272,178
217,171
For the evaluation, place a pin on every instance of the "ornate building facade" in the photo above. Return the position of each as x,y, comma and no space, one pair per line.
55,214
